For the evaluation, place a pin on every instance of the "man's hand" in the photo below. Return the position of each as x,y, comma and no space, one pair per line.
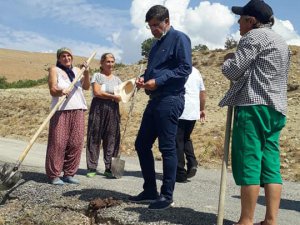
229,55
150,85
140,82
202,116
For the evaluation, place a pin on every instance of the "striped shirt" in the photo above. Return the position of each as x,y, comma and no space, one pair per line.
258,71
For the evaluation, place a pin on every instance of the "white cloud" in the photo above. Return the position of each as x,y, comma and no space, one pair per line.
208,23
130,40
286,29
35,42
85,26
80,13
195,22
177,11
138,11
17,39
202,29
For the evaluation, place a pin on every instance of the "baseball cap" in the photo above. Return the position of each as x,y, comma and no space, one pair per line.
256,8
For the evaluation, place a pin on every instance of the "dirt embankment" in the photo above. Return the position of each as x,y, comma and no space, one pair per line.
23,110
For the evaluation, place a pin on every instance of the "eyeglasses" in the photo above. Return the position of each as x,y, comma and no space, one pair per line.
154,26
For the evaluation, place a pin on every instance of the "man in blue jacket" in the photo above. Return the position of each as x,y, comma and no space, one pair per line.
169,64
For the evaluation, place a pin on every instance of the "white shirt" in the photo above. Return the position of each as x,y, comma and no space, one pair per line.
75,99
193,86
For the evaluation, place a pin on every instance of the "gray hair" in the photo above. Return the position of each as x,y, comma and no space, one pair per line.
104,56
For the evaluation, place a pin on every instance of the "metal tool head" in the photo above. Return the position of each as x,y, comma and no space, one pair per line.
117,167
9,176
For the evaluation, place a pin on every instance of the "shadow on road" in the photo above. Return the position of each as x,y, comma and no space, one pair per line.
34,176
177,215
90,194
284,203
159,176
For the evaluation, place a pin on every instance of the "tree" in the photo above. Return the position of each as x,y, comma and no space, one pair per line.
230,43
146,46
200,47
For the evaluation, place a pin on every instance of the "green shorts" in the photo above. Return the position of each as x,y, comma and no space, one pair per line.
255,152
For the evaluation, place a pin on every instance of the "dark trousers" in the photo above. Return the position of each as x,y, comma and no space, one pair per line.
160,121
185,148
103,126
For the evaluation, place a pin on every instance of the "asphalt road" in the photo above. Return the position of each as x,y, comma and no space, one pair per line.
195,201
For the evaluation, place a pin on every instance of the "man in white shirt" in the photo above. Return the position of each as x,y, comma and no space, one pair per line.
194,99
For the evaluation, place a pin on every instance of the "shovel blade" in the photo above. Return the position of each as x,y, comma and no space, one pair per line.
9,177
117,167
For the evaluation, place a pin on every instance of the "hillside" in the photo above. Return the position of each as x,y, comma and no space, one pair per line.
20,65
23,110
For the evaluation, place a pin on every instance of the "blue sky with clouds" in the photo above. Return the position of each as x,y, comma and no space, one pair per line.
118,26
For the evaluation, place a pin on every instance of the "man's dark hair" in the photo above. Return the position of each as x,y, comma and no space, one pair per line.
158,12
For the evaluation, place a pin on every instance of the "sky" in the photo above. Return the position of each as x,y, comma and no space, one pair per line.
118,26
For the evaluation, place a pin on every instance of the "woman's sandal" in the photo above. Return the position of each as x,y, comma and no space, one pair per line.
259,223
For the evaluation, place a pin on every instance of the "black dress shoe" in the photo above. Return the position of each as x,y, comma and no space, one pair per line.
181,179
191,172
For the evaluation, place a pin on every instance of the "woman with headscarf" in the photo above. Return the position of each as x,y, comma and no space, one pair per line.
66,128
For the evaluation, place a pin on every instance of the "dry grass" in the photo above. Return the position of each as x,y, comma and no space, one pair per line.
22,111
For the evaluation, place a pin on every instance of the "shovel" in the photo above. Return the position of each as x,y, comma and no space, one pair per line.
118,164
9,174
224,167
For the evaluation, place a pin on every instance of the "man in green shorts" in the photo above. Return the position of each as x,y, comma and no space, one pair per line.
258,71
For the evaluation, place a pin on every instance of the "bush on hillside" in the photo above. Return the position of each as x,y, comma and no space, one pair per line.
97,70
230,43
21,83
146,46
200,47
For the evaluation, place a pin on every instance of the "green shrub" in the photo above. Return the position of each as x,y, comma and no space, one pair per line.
119,65
3,83
230,43
146,46
21,83
200,47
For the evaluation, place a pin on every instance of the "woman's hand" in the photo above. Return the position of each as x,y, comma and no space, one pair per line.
85,81
117,98
65,92
85,65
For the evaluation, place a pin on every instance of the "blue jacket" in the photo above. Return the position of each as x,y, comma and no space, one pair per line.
169,63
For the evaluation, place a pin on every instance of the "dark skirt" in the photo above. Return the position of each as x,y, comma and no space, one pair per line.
103,126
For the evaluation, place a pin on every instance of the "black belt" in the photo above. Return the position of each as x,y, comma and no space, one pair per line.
155,95
162,94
